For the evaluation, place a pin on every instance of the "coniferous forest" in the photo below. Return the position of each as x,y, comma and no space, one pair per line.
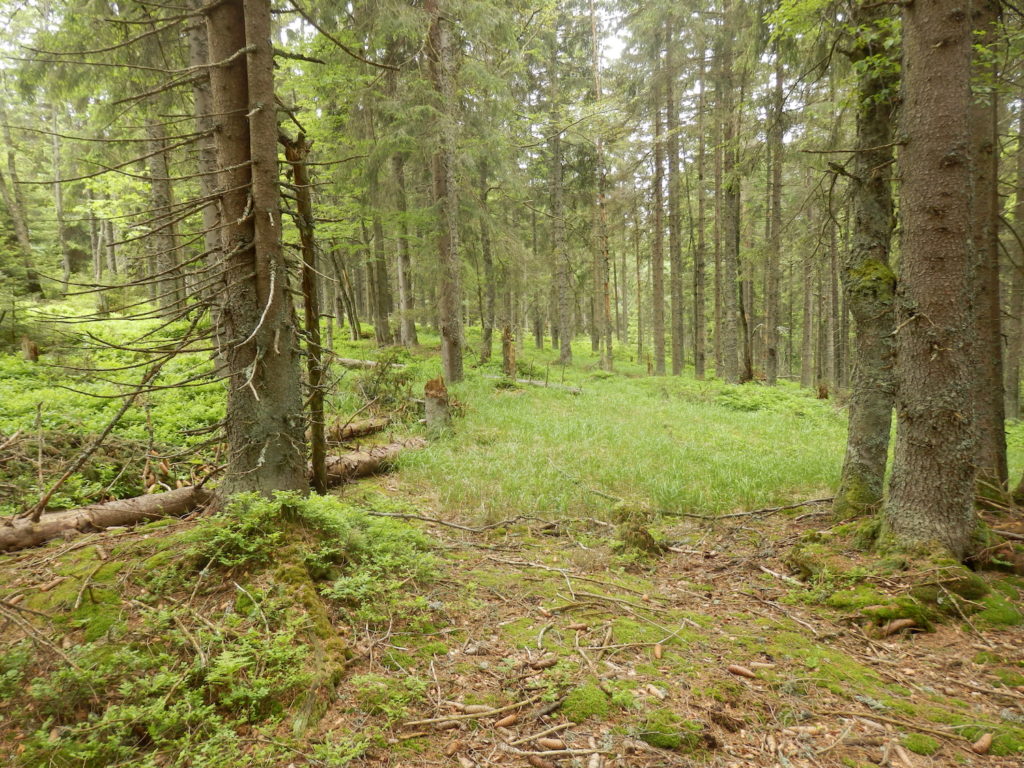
552,383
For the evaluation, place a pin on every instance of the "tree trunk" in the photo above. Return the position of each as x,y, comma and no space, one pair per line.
675,248
932,490
439,57
295,153
602,298
730,212
489,278
1015,329
992,475
206,160
164,278
776,129
264,405
436,405
14,201
700,251
58,204
563,269
869,283
658,242
406,320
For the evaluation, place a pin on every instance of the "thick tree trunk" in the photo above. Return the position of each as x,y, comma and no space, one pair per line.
932,490
992,476
378,277
264,404
440,57
341,432
869,285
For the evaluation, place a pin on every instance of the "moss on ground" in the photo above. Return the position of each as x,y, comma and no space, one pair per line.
586,701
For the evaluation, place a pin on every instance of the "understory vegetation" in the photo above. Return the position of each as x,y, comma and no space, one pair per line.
320,630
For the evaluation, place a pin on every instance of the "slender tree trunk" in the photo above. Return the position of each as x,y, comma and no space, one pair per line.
264,406
657,245
992,474
406,319
675,248
730,212
1015,330
58,204
165,278
776,130
490,279
639,289
296,153
563,271
206,160
98,250
440,57
807,329
932,491
869,283
700,251
378,278
10,193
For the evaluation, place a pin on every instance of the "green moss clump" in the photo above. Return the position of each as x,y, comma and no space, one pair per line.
855,599
901,608
999,612
1008,742
921,744
1009,677
665,729
585,701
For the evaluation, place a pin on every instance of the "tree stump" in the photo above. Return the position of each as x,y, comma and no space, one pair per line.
436,405
508,352
29,349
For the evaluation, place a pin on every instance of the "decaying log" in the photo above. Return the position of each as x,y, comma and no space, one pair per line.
350,466
25,533
537,383
348,362
339,432
436,405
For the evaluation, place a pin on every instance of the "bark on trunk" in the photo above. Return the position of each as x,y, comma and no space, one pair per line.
439,56
10,192
700,251
560,251
675,248
166,285
771,298
993,477
352,466
406,321
264,404
490,289
436,405
869,284
730,213
658,240
932,490
1015,330
295,153
342,432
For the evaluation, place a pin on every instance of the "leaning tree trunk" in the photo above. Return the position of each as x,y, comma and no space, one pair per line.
439,55
264,408
870,284
932,491
992,477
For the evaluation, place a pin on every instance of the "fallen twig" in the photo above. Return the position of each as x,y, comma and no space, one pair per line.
755,512
474,715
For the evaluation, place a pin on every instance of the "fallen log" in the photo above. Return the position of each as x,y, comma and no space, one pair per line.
339,432
537,383
348,362
350,466
24,533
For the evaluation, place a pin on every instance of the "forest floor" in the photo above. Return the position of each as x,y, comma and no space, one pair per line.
609,571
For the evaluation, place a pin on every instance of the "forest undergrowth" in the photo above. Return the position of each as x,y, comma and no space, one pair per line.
628,576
